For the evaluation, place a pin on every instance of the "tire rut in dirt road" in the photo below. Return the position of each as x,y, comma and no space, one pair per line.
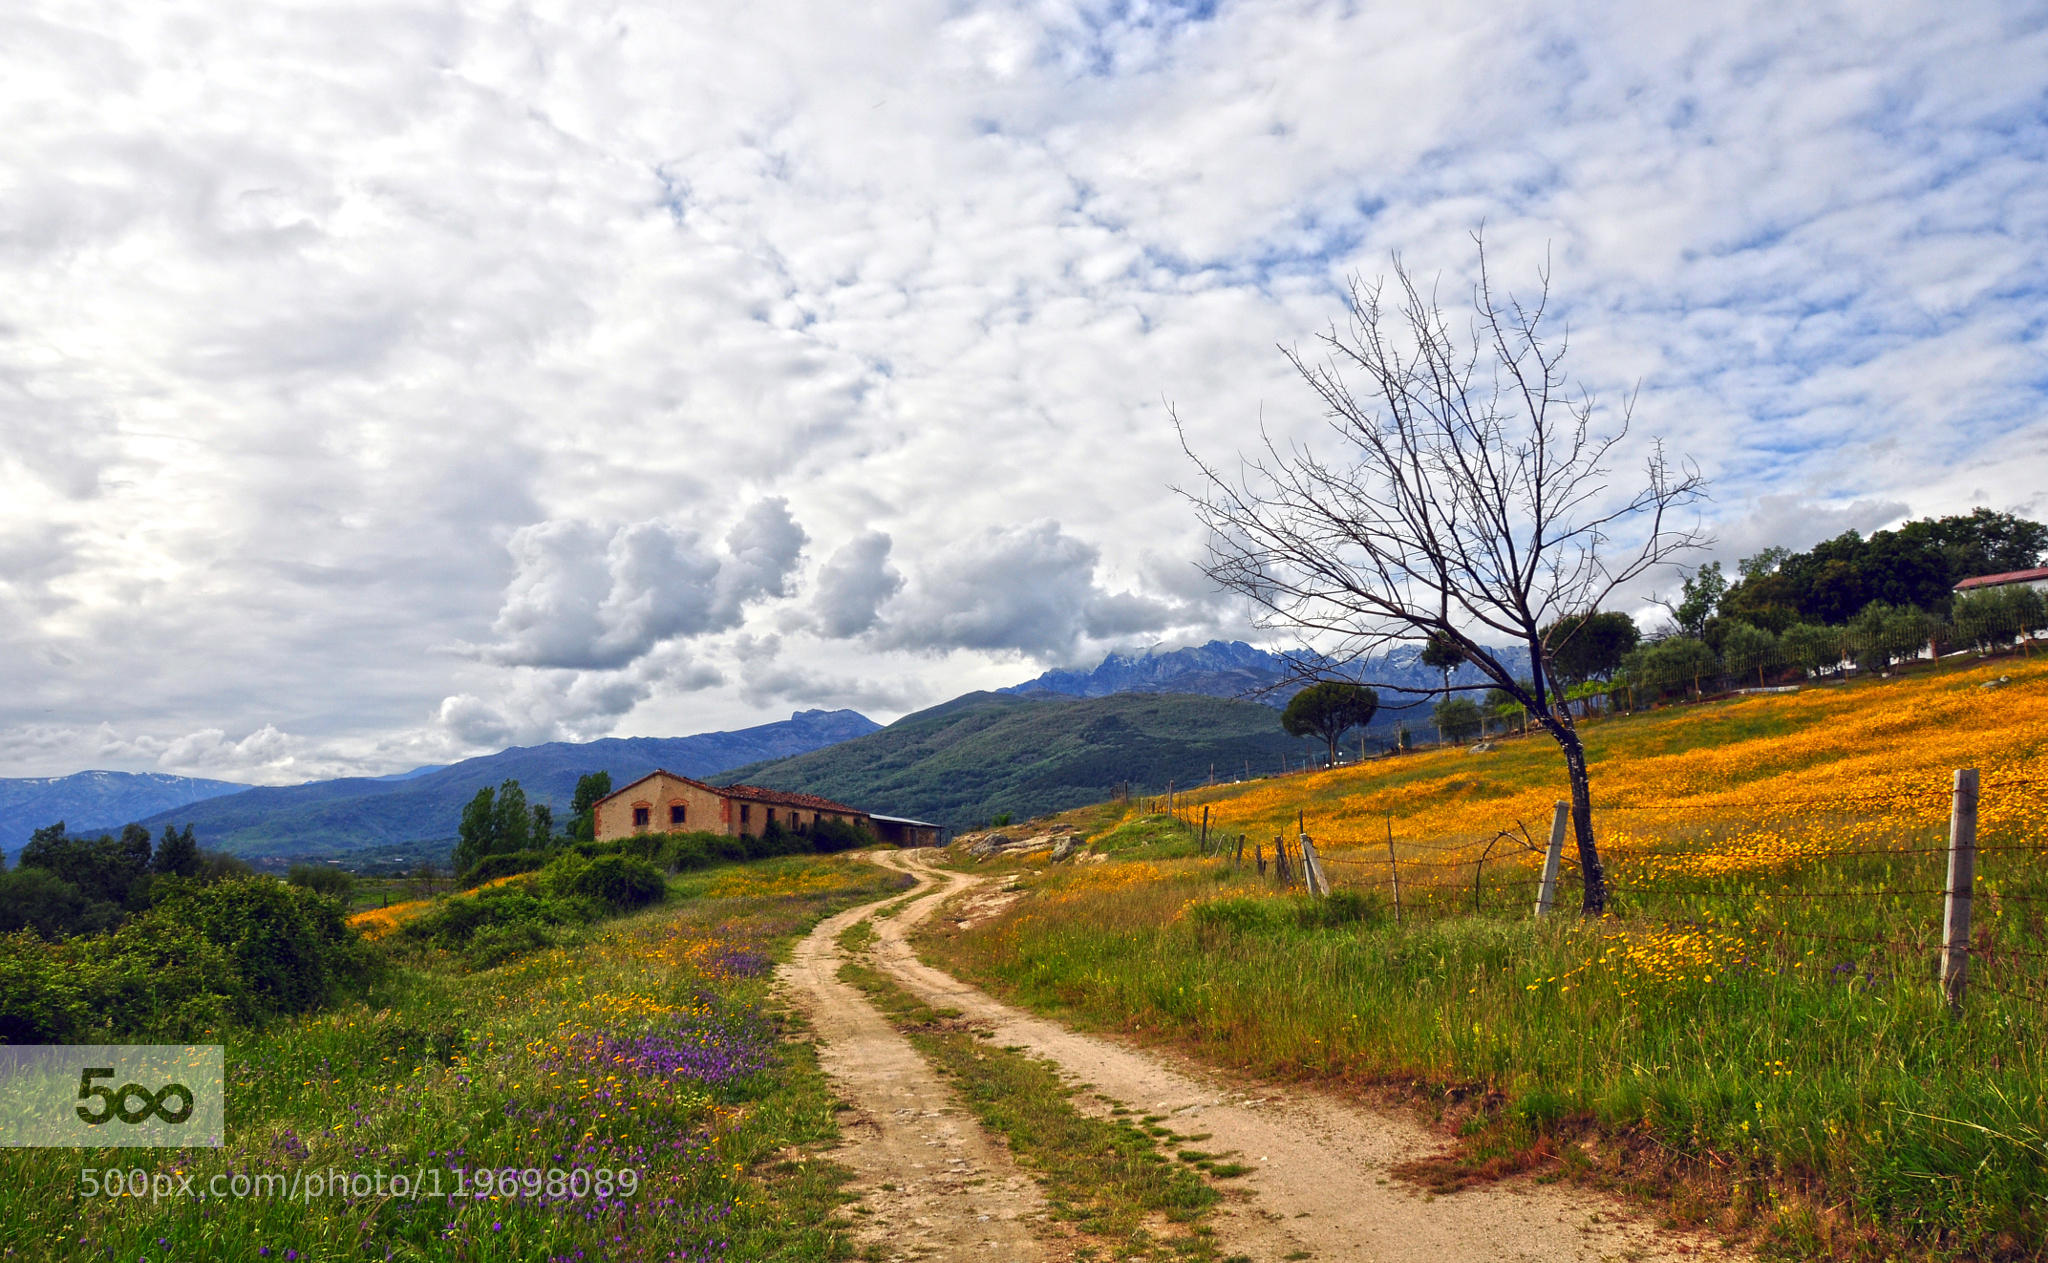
933,1183
1321,1180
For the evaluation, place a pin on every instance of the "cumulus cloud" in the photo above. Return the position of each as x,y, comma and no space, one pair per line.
293,411
1028,589
538,705
585,598
853,585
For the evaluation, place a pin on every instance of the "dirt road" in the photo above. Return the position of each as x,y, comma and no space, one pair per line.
1320,1187
932,1184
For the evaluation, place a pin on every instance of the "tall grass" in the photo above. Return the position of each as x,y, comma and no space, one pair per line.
1758,1023
649,1048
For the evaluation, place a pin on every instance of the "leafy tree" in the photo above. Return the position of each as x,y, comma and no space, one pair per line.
1700,598
1458,718
103,869
582,808
1812,648
1745,649
1589,646
1765,562
1329,710
1918,564
38,899
1441,653
1882,633
177,853
1669,666
499,822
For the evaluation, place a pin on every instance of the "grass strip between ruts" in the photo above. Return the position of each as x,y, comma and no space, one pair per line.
1104,1177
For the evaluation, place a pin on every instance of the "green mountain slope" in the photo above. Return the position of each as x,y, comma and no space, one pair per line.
961,763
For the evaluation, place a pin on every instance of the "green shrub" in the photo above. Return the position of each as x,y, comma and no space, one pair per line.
43,996
829,836
336,883
292,947
619,882
492,867
493,945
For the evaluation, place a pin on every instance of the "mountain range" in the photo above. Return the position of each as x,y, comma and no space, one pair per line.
1151,716
1235,669
90,801
963,763
391,815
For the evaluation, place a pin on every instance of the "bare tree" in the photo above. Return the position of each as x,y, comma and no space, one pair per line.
1472,502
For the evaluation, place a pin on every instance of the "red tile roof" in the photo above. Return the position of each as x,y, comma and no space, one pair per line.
784,798
751,793
2036,575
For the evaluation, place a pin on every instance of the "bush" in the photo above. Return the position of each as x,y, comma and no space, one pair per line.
292,947
38,899
493,945
240,950
829,836
492,867
42,999
619,883
336,883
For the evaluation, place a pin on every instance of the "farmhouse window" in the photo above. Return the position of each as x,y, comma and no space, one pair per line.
676,813
639,816
771,815
745,811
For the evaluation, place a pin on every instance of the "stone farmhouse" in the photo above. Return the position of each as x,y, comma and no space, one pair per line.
663,802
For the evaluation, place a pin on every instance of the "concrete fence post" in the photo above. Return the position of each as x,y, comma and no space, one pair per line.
1546,892
1962,879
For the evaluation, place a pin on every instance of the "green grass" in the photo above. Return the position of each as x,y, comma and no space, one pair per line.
437,1068
1104,1177
1748,1079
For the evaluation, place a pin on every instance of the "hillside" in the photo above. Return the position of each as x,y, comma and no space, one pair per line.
386,815
963,762
95,800
1768,970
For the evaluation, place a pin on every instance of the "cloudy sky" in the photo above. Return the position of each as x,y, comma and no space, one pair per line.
385,383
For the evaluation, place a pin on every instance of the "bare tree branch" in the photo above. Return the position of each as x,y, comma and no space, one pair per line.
1473,503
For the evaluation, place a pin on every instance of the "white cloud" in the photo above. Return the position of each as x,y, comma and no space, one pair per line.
336,337
853,585
1027,589
584,598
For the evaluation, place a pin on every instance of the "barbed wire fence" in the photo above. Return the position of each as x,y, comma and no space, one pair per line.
1922,906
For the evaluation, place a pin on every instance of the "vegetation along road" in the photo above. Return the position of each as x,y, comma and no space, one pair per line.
1295,1174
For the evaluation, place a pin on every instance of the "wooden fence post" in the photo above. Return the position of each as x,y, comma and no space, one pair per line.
1312,868
1259,856
1237,860
1546,892
1205,829
1962,873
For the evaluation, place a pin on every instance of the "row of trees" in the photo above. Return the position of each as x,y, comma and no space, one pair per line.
64,883
501,822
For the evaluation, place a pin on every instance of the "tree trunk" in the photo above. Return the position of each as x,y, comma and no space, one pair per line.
1591,870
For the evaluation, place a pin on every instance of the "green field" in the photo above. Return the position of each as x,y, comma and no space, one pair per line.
648,1047
1754,1041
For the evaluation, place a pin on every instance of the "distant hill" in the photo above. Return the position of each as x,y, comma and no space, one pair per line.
87,801
963,762
386,815
1235,669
